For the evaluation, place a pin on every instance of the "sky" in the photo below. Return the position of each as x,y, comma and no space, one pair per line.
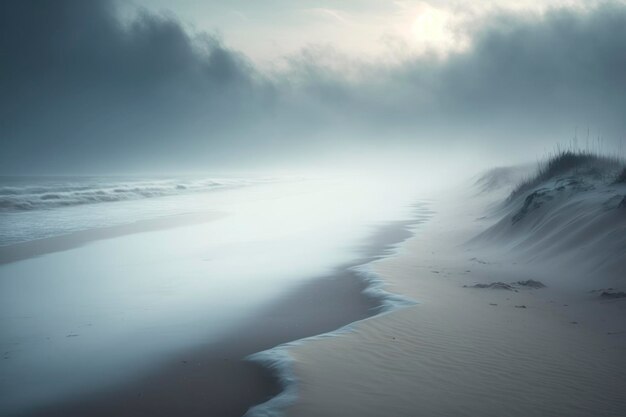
268,31
156,86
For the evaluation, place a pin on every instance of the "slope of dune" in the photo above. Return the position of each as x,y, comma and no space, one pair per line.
507,321
570,215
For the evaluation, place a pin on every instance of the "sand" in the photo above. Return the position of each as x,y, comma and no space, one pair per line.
217,379
458,351
554,351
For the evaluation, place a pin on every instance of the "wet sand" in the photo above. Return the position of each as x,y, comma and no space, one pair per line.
215,380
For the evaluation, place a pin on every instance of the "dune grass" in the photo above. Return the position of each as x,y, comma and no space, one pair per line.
569,161
621,178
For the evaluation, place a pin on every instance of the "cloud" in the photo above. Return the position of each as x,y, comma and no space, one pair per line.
77,82
524,78
82,89
333,14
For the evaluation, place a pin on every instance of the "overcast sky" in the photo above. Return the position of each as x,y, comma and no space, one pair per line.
268,30
150,85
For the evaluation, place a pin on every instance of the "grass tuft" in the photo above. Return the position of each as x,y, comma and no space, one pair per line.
570,161
621,178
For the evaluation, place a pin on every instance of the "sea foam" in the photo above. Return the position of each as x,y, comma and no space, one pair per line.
51,194
280,362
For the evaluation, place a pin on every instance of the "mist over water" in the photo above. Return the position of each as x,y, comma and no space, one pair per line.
35,208
23,193
77,321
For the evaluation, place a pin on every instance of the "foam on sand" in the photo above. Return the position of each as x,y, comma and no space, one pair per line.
280,361
195,299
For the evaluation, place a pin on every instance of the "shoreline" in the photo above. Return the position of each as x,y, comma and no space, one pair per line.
279,359
188,381
33,248
468,351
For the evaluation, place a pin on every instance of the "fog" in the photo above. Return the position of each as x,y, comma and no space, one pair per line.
128,301
106,87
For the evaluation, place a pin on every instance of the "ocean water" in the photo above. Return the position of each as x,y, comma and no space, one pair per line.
77,321
39,207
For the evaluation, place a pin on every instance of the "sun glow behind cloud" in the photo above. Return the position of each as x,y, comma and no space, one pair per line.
360,29
436,29
357,78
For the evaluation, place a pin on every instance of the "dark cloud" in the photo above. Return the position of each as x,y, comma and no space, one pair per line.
78,84
82,89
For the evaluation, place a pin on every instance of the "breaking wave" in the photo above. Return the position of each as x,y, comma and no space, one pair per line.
16,197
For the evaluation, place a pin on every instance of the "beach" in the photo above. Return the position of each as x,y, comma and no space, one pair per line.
217,379
463,302
358,208
125,323
461,350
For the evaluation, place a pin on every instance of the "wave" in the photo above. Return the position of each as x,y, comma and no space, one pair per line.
55,194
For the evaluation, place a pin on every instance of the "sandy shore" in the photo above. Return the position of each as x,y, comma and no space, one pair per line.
555,351
216,380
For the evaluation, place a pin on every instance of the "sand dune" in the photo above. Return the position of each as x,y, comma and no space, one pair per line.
522,351
575,217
